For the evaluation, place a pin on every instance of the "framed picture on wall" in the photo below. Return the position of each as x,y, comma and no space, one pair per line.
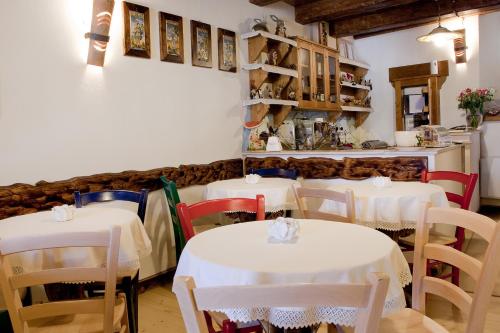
136,28
201,44
227,50
171,38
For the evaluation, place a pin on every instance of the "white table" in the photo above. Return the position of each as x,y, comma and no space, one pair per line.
326,252
278,192
391,208
134,242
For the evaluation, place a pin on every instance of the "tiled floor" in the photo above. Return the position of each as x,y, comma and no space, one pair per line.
159,311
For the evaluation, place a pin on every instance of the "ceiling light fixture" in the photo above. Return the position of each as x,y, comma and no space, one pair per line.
440,33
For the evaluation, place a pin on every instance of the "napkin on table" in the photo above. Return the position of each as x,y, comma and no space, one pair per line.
283,230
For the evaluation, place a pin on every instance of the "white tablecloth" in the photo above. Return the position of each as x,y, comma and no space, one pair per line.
326,252
134,242
391,208
277,191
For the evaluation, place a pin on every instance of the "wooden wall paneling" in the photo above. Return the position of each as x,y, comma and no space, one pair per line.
400,122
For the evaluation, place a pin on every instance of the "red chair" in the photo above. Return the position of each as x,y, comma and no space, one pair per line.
469,183
189,213
203,208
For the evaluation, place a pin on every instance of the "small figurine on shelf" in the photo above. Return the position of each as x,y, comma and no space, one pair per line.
280,26
273,57
260,25
369,84
291,94
254,93
267,92
278,91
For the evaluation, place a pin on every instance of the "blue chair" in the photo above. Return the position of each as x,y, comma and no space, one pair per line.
140,197
130,286
275,172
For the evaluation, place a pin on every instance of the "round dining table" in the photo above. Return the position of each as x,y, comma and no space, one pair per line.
278,192
325,252
393,208
134,241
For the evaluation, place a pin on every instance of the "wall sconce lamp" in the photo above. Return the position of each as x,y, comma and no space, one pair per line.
99,31
460,48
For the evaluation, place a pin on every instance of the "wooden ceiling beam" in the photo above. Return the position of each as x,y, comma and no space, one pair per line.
263,2
328,10
403,17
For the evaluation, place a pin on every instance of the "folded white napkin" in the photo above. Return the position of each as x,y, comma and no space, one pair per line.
63,213
283,230
382,182
252,179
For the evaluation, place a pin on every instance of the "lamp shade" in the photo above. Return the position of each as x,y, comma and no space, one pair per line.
439,34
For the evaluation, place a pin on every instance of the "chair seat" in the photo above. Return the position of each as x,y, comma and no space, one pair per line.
81,323
435,238
410,321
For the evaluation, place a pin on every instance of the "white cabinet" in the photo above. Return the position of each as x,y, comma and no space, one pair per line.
490,162
472,153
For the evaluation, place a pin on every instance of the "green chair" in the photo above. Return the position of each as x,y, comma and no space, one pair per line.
172,200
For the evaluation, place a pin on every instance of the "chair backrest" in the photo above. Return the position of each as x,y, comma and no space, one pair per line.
11,283
483,273
369,298
140,197
172,197
275,172
347,197
467,180
189,213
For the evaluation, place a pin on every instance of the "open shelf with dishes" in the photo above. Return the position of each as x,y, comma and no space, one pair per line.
355,89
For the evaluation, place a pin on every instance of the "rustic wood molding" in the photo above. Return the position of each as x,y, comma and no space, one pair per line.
397,168
19,199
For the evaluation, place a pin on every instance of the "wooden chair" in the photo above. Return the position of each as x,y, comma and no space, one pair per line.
469,183
189,213
129,285
106,314
483,273
139,197
275,172
369,298
301,193
172,196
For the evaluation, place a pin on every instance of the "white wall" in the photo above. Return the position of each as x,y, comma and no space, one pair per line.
401,48
60,118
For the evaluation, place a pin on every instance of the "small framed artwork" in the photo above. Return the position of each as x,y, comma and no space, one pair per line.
323,32
171,38
136,26
227,50
201,44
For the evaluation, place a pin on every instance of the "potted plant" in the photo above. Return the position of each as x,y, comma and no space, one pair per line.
472,101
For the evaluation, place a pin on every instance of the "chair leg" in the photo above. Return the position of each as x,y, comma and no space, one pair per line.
127,286
455,276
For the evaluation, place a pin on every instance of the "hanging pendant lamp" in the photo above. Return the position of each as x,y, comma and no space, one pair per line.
439,33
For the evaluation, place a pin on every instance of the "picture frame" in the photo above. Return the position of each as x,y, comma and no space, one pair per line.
323,32
171,38
227,50
137,42
201,44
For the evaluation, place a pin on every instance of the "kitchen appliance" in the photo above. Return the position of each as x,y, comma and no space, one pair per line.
406,138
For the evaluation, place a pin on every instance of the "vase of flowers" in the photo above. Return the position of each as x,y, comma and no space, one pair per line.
472,101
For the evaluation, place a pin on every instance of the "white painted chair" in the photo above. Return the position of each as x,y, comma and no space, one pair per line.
347,197
484,273
106,314
369,298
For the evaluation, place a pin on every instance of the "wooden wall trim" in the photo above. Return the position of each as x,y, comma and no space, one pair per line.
19,199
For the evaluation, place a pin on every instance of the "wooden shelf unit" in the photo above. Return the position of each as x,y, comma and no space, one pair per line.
416,76
318,68
358,91
283,75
